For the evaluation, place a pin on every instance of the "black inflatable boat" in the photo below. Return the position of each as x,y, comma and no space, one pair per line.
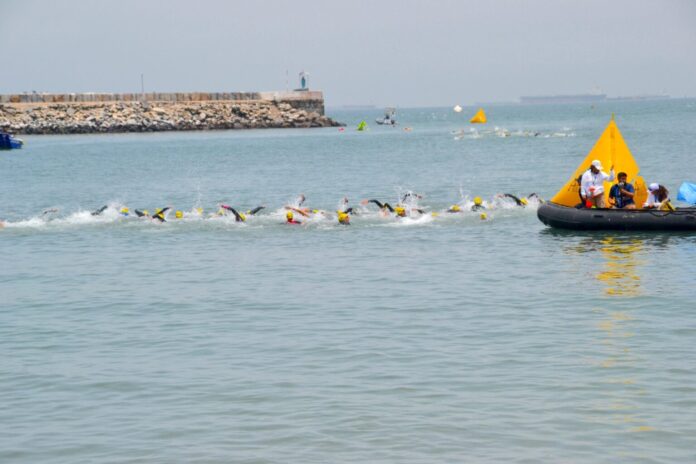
563,217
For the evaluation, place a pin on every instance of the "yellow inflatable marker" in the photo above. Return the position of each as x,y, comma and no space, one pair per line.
611,150
479,117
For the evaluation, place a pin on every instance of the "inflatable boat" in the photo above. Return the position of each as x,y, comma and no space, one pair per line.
611,150
564,217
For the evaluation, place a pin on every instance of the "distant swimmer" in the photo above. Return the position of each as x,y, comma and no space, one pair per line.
241,217
290,218
343,206
179,214
536,196
100,210
520,201
124,211
384,208
478,204
343,218
302,211
49,211
410,196
159,213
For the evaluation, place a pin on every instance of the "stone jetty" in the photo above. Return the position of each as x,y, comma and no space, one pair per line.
109,113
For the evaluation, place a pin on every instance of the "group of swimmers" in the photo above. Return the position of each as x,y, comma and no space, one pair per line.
406,208
621,195
297,213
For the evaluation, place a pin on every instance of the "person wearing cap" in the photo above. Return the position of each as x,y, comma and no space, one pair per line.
658,197
290,218
621,194
592,184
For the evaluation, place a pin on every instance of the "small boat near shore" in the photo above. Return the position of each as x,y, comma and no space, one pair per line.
389,118
9,142
566,211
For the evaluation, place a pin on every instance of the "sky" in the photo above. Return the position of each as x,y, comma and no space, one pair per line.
402,53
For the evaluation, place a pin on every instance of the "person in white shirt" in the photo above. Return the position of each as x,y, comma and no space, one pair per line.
592,184
658,198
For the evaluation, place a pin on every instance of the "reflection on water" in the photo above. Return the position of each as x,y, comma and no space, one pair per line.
621,266
617,264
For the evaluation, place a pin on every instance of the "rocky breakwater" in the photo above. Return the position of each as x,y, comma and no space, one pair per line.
84,118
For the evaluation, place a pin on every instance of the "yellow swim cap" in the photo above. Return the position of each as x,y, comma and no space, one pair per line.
179,214
524,201
124,210
242,216
221,212
315,211
343,217
146,212
484,216
400,211
478,201
455,208
289,215
199,210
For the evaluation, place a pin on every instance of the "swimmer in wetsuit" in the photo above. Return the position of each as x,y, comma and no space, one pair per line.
478,204
100,210
290,218
241,217
159,213
520,201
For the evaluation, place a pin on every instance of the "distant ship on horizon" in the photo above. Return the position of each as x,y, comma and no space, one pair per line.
585,98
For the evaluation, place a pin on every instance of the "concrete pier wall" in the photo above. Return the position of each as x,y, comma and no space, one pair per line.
308,100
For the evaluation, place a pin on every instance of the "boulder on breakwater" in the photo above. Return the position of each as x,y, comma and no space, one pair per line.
77,116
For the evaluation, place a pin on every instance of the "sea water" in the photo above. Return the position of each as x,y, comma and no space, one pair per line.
433,339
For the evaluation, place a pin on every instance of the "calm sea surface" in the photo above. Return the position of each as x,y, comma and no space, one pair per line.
433,340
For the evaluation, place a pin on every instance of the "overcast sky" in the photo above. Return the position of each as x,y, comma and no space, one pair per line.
403,52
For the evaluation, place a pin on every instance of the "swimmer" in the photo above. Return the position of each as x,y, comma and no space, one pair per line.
100,210
241,217
478,204
290,218
124,211
535,196
298,208
159,213
179,214
303,211
343,218
522,202
344,208
49,211
384,208
410,196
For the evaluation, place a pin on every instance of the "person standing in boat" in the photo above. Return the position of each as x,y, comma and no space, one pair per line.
592,184
622,193
658,198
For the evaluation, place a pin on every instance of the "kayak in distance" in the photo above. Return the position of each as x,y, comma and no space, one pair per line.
569,210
